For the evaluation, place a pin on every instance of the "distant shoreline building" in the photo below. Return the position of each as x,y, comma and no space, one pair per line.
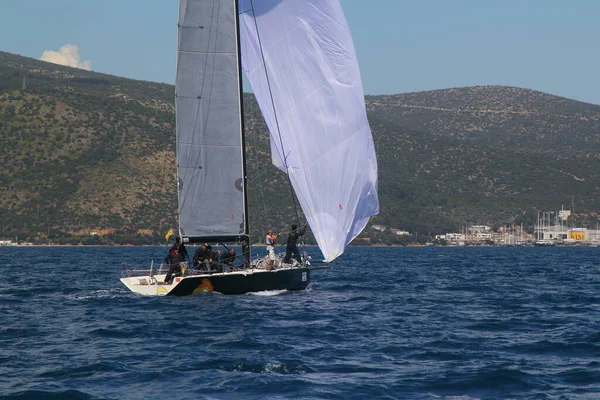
551,228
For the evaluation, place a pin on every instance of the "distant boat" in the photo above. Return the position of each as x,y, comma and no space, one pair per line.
299,58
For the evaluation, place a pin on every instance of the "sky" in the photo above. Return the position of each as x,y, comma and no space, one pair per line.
402,46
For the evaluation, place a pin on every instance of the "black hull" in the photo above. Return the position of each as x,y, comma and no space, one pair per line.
235,283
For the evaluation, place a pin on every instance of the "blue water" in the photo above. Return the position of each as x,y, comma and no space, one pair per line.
386,323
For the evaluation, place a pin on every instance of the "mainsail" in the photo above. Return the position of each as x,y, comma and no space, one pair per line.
209,132
299,58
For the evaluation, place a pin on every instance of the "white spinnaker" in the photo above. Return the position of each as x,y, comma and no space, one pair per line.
312,99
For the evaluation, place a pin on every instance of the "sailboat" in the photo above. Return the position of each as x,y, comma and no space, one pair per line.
299,58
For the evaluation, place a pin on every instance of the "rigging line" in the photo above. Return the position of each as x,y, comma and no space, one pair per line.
258,175
320,276
159,227
262,54
154,247
262,193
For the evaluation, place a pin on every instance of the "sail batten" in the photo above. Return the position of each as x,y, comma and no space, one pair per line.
299,58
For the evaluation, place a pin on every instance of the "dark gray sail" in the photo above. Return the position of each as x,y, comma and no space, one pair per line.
209,130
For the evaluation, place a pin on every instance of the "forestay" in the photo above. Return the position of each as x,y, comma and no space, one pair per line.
209,152
299,58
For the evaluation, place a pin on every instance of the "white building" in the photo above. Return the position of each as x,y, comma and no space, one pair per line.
478,229
451,237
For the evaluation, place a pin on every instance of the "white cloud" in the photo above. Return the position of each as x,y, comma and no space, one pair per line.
67,55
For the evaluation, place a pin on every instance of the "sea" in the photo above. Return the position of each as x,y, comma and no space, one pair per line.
381,323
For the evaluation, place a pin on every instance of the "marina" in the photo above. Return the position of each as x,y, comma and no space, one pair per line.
550,229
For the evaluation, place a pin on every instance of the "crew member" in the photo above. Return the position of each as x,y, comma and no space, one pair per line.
271,241
180,249
228,258
292,248
174,259
200,256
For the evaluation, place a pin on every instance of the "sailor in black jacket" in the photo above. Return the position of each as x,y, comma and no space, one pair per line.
180,247
292,248
174,259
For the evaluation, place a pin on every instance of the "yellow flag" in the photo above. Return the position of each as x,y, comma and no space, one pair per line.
169,233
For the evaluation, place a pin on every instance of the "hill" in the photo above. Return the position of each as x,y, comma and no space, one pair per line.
87,152
492,155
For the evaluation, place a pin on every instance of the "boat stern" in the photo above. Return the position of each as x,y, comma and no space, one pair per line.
149,285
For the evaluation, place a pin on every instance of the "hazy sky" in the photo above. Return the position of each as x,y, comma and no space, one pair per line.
402,46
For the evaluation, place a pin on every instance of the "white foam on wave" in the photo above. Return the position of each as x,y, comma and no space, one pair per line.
273,368
269,292
96,294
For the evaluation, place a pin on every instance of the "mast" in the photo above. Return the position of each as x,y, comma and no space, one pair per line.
246,239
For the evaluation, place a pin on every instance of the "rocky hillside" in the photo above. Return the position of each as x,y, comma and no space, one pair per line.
86,152
495,115
492,155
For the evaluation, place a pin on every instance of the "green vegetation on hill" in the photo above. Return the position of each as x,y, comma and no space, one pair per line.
86,152
491,155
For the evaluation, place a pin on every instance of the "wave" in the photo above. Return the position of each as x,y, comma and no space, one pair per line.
83,371
488,381
97,294
46,395
418,326
268,293
273,367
